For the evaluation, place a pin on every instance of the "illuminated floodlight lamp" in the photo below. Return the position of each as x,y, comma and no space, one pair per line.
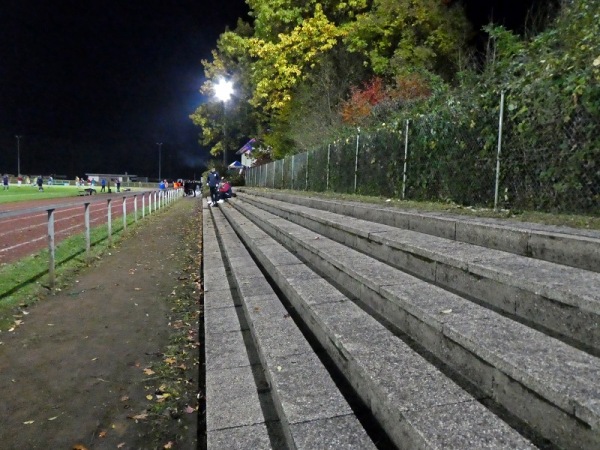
223,89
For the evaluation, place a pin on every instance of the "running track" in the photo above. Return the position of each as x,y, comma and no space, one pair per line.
27,233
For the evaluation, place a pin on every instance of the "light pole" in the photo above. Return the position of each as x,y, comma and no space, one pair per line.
223,91
159,159
18,136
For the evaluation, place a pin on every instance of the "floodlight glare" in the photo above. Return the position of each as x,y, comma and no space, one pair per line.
223,90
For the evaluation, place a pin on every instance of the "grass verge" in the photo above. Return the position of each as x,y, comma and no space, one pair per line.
175,394
25,282
570,220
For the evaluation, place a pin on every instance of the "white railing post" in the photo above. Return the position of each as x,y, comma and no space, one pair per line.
124,213
51,248
86,216
135,208
109,221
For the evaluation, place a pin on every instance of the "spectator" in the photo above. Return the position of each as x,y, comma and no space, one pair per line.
19,180
225,191
40,183
103,184
213,184
5,181
118,185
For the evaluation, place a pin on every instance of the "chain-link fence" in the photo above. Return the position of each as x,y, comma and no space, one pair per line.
458,155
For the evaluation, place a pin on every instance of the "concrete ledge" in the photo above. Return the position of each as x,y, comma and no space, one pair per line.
563,299
544,381
563,245
234,413
302,390
404,391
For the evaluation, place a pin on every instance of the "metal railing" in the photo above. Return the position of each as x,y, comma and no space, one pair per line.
151,202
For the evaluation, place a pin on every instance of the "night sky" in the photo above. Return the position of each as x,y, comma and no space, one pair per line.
92,86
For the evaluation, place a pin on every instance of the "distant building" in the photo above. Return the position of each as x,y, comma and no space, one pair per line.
123,178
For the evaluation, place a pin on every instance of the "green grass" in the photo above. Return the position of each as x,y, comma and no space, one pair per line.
26,193
26,281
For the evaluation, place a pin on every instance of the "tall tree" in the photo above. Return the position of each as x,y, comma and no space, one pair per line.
398,35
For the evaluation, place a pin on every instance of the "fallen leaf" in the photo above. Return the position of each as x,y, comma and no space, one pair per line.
53,418
137,289
149,397
29,422
142,416
149,371
189,410
102,434
124,398
12,329
94,359
169,444
121,445
170,360
279,368
79,447
446,311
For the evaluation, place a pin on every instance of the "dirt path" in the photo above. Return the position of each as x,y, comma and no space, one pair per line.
87,361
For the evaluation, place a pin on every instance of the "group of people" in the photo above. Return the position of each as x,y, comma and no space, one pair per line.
220,188
39,182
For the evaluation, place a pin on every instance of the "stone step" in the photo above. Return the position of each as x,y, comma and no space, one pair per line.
564,245
234,416
549,385
416,404
310,408
561,299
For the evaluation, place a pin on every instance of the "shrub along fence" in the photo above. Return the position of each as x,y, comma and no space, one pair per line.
458,155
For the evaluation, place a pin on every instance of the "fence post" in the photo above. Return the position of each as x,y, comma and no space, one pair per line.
405,160
51,261
293,158
143,205
306,181
124,213
499,151
356,160
86,219
109,221
282,172
274,172
328,159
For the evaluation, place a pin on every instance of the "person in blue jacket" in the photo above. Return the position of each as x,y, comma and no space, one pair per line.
213,184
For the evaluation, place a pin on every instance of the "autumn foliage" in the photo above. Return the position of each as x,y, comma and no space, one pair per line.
362,100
